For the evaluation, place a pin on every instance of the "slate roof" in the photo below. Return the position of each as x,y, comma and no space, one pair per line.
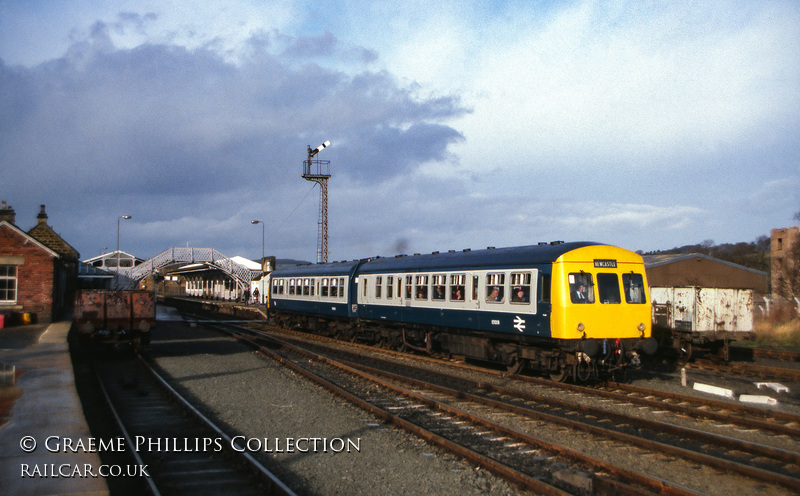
45,235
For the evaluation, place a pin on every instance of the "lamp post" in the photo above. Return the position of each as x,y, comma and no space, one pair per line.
126,217
262,236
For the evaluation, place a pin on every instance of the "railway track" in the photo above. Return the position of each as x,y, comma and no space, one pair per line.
488,444
183,451
788,356
405,400
723,412
748,369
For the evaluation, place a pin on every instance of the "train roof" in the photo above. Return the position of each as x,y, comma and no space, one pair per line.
313,270
518,256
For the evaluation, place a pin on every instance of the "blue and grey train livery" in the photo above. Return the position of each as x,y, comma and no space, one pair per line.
575,309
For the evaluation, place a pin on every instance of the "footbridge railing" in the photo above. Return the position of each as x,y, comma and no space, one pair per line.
209,256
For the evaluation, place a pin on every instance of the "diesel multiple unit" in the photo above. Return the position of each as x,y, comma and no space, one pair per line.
578,309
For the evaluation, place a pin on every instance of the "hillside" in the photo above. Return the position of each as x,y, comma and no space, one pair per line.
755,255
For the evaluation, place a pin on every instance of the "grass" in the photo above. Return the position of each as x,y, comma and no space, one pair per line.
779,335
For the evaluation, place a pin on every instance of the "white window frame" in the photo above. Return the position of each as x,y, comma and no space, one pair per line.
11,280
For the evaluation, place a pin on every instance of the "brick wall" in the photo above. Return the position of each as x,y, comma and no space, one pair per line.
35,274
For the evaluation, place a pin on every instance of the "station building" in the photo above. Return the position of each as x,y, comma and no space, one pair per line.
38,270
108,271
203,281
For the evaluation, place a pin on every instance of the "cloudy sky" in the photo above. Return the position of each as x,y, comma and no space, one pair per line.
453,124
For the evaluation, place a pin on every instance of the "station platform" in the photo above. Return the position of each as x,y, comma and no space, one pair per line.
39,400
220,307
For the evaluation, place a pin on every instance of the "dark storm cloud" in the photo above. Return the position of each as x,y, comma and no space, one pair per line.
178,129
395,148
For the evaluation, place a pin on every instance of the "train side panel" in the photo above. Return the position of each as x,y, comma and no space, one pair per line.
462,302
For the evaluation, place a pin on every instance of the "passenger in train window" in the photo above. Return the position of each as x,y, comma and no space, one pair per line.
495,295
457,295
634,288
438,293
520,296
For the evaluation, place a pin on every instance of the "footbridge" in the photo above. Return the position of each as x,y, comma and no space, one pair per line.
179,255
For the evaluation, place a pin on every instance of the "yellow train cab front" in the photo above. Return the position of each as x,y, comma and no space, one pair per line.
600,292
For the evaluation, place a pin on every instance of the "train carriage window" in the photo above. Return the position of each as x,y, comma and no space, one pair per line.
421,288
334,288
634,288
608,288
457,288
389,287
313,284
408,287
495,287
378,286
306,287
291,286
474,288
439,284
324,288
581,287
341,287
521,287
545,283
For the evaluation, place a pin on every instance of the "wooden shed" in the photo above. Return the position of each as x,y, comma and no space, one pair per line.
695,269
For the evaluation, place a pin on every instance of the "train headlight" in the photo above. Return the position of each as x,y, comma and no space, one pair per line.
641,327
581,327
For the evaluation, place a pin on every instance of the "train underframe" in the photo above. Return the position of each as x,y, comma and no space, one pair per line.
683,341
578,360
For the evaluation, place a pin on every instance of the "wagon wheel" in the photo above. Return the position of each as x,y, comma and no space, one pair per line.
684,351
516,366
560,375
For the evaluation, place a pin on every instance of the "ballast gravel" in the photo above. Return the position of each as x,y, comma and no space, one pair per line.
339,449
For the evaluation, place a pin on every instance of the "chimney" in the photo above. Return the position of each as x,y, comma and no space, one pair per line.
7,213
42,217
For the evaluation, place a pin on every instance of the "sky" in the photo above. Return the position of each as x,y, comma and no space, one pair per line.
453,124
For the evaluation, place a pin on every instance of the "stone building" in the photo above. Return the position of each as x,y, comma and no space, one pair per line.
38,269
785,261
